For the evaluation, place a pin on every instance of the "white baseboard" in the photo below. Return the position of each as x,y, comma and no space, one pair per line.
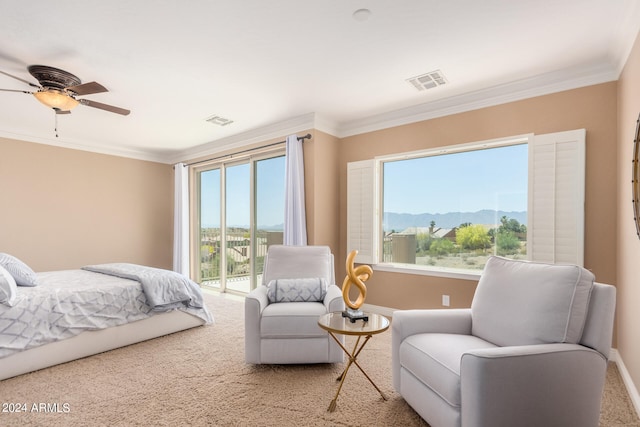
614,356
626,379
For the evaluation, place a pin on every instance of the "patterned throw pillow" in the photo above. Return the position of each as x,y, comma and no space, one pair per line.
297,290
20,271
8,288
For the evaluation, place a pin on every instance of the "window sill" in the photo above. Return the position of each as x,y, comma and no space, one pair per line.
428,271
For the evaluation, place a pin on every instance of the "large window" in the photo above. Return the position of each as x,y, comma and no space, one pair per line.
240,214
454,210
449,209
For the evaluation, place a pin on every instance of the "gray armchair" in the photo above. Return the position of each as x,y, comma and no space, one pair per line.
287,332
531,351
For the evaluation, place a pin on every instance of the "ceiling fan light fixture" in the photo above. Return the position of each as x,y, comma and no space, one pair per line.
56,99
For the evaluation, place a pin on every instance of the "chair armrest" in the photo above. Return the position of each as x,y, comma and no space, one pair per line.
254,303
405,323
546,384
258,297
441,321
333,300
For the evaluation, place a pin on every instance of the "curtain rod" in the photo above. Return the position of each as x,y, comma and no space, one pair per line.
300,138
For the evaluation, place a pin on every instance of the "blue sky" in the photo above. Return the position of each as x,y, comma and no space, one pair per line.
494,178
269,192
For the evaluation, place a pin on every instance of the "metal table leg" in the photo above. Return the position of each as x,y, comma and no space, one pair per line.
353,356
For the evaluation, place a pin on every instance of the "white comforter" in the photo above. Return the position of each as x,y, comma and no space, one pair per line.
163,289
69,302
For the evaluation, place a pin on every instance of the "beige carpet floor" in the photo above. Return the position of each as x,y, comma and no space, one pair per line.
198,377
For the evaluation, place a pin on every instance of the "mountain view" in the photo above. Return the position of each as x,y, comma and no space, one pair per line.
401,221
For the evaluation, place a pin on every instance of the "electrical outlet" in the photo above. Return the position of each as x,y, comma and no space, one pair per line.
445,300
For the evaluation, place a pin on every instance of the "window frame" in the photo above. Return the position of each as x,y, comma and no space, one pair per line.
432,152
373,170
222,164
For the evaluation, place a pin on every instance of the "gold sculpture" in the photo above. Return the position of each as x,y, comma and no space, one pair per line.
355,276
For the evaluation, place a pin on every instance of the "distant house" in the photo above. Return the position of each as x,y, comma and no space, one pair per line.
414,230
435,232
445,233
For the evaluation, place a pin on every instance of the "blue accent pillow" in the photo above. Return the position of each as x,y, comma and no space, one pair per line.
20,271
297,290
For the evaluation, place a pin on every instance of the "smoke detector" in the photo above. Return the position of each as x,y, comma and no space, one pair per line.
428,81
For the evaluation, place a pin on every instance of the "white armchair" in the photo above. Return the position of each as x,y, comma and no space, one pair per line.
531,351
288,332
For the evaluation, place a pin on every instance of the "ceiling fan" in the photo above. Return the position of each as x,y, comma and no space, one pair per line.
60,89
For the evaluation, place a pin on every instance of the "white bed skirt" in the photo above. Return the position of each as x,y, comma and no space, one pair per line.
93,342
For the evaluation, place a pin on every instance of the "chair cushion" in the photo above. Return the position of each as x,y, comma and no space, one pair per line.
434,359
521,303
291,290
292,320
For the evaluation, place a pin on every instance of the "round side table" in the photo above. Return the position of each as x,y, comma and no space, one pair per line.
335,323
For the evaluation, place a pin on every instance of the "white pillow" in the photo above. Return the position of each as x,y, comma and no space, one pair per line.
297,290
20,271
8,288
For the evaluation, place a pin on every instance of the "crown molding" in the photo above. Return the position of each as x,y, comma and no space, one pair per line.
254,136
257,135
93,148
515,91
501,94
326,125
626,36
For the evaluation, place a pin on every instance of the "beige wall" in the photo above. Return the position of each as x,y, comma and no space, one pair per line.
592,108
322,185
628,244
62,208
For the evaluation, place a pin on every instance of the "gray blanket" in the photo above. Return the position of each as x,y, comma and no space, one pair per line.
164,289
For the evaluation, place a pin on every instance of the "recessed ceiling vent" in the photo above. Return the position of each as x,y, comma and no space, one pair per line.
218,121
428,80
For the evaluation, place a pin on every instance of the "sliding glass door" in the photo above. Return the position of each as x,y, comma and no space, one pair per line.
210,237
240,214
238,230
269,218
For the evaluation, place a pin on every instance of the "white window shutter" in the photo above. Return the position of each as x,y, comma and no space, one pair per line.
362,223
556,197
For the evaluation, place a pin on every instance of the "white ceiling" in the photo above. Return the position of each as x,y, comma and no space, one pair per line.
286,65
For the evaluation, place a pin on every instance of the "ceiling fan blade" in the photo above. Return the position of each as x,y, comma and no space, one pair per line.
87,88
105,107
15,90
22,80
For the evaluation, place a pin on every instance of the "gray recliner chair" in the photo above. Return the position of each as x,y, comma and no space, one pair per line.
531,351
279,327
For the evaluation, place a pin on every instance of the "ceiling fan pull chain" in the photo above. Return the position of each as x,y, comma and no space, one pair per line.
55,127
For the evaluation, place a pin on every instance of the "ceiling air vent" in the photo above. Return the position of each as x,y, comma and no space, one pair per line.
219,121
428,80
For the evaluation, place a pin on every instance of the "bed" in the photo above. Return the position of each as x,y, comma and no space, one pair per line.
54,317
